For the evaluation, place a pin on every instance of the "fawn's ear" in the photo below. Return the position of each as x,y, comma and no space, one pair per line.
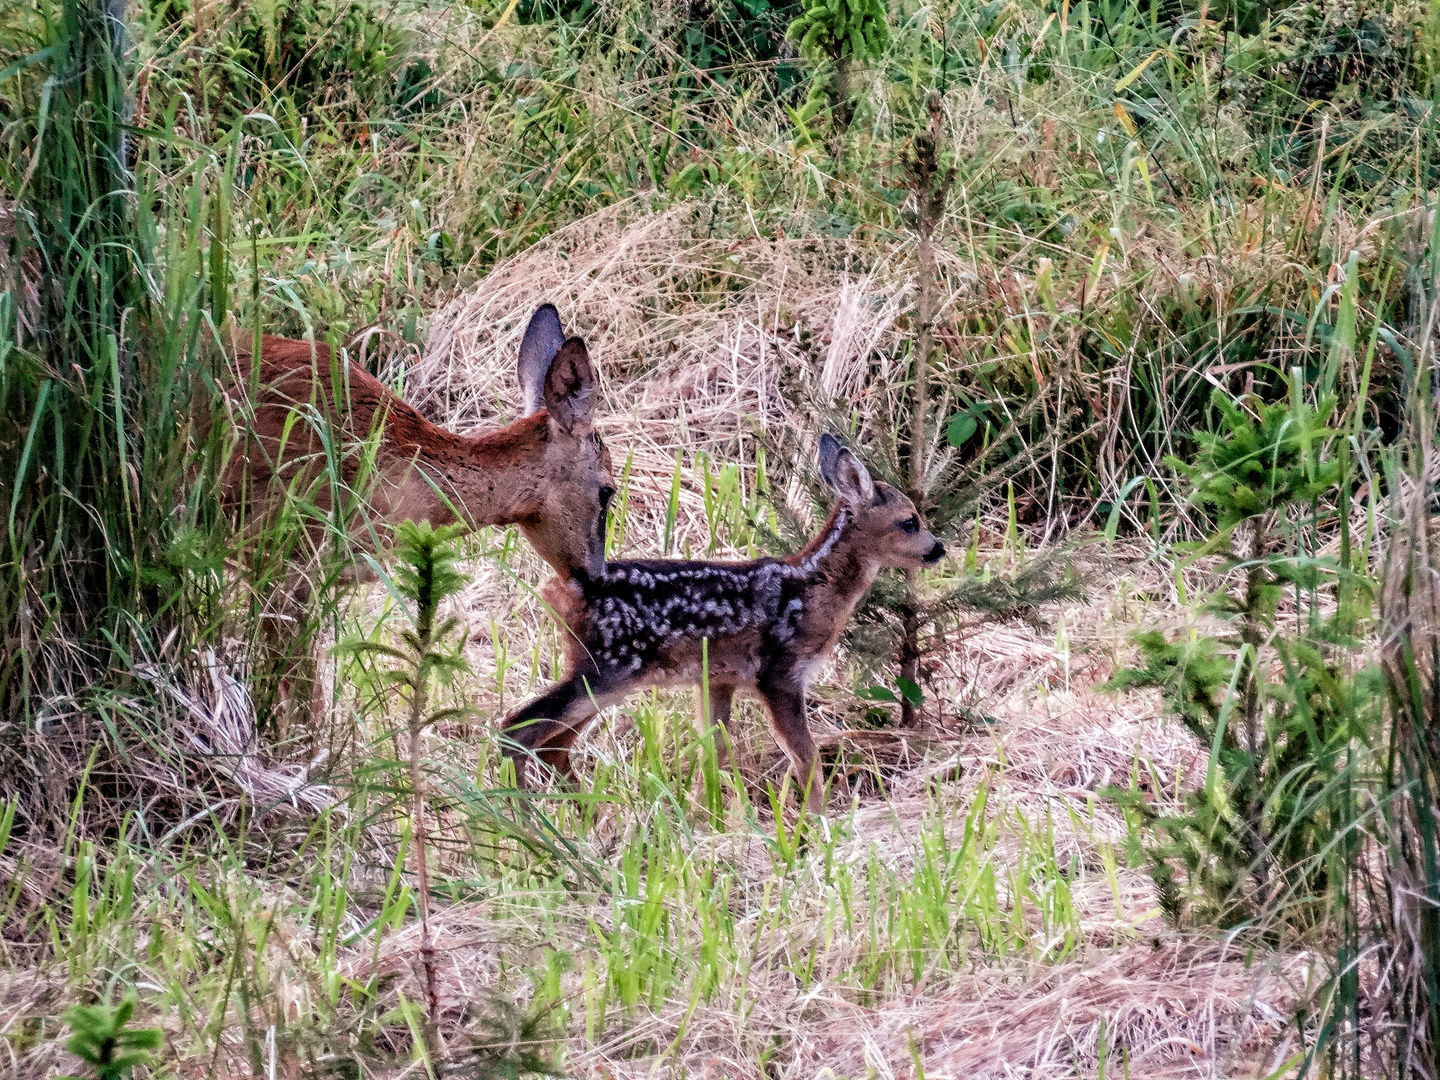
843,472
570,388
543,338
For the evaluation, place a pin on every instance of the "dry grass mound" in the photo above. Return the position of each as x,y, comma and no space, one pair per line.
702,343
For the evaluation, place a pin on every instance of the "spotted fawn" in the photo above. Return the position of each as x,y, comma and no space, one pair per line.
770,624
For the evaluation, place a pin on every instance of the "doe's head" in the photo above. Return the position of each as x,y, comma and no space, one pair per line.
886,521
566,524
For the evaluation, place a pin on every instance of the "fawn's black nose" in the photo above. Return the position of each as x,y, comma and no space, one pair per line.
936,553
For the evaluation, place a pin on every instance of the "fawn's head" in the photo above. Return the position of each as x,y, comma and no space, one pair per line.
565,523
885,521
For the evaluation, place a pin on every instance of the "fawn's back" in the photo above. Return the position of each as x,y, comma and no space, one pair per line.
648,617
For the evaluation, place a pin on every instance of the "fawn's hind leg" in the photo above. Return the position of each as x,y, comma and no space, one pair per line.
787,720
547,727
721,695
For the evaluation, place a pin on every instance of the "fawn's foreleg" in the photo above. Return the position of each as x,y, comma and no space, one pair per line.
787,719
547,727
720,696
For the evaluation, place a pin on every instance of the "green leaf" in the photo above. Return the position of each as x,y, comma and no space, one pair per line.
441,715
913,694
143,1038
879,693
370,647
1138,70
962,427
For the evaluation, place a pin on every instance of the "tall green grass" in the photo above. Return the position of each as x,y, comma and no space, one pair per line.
111,537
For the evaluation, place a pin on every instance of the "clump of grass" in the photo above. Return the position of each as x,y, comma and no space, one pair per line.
1405,924
113,539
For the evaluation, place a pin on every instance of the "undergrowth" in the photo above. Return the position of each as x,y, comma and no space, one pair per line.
1183,266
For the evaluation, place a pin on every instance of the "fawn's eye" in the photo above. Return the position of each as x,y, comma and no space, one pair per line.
910,524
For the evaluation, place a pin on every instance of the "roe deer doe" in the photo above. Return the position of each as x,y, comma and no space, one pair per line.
549,472
770,623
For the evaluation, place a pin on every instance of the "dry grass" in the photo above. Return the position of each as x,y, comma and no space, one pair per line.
215,722
701,343
1132,989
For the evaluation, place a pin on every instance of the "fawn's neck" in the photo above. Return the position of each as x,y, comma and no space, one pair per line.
834,565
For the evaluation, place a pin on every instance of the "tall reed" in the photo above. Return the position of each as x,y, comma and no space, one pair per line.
108,521
1407,908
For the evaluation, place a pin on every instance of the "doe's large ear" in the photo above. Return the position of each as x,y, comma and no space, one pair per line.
543,338
570,387
843,472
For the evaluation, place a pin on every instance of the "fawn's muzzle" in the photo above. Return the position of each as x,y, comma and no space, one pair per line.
936,553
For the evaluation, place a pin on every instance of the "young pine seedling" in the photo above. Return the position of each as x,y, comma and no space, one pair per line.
104,1039
1251,840
425,574
834,34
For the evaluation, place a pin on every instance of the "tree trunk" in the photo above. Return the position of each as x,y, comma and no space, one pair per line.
420,838
1253,633
909,651
930,204
844,110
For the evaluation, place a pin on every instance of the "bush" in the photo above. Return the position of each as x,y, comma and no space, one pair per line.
291,58
1274,700
104,1040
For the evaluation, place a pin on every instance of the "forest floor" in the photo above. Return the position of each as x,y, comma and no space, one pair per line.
1069,970
992,828
974,905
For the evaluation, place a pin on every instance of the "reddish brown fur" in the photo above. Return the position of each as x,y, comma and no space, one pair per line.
533,472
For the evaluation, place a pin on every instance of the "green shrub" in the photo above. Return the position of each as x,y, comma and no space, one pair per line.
833,35
104,1039
1338,71
1274,700
344,57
